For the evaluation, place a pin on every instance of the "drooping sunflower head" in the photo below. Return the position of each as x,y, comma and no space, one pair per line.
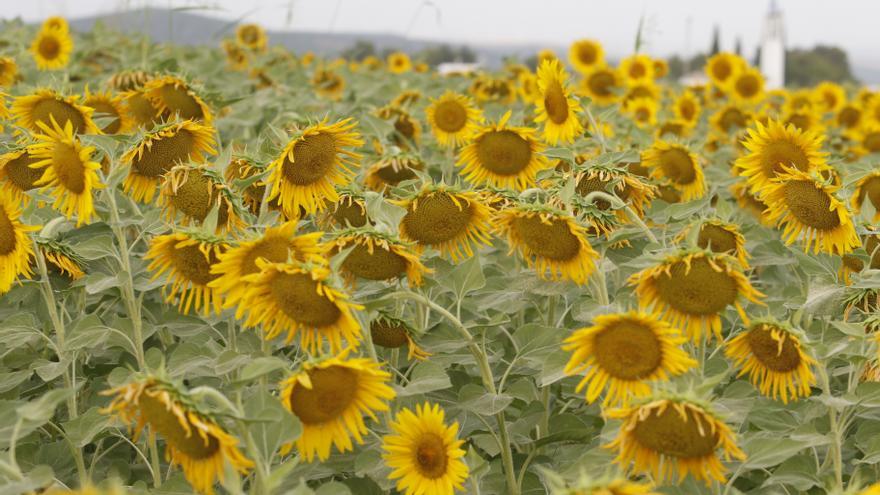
446,218
330,396
375,255
502,155
747,86
17,177
312,164
69,173
392,333
187,257
557,108
867,188
626,351
110,108
617,181
586,54
549,240
8,71
671,438
392,169
718,236
867,138
676,164
722,67
296,298
772,355
406,98
606,485
453,119
772,147
829,96
643,111
248,179
237,58
141,109
423,451
62,258
730,119
328,84
637,68
350,210
51,48
16,247
159,150
173,97
407,130
602,84
45,105
687,107
398,63
193,438
690,289
192,191
129,80
251,36
494,89
805,203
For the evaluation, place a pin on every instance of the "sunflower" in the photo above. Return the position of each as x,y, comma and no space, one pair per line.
187,257
854,264
328,84
45,105
772,355
807,204
731,119
637,68
391,170
392,333
722,67
295,297
424,453
140,109
557,109
661,68
52,48
623,184
549,240
867,138
676,128
720,237
453,119
849,117
584,55
605,485
450,220
602,84
376,255
643,111
242,169
192,191
751,203
805,119
315,161
407,130
644,89
406,98
503,156
830,96
251,36
687,107
62,258
774,146
867,187
350,210
398,63
307,59
625,351
16,247
331,396
690,289
159,151
68,170
172,96
17,176
129,80
672,436
193,439
527,88
237,58
498,90
675,163
747,86
8,71
111,107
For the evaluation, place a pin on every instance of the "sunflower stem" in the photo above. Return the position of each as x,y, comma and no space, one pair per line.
837,437
597,133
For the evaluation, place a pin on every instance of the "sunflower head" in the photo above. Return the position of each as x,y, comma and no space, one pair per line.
16,247
129,80
731,119
687,106
140,109
407,130
17,177
392,169
722,67
866,138
8,71
62,258
602,84
626,185
676,164
192,191
867,189
644,89
51,48
251,36
771,148
173,97
328,84
586,54
829,96
111,108
557,108
398,63
718,236
45,105
248,178
642,111
747,86
637,68
375,255
606,485
806,119
237,58
453,119
392,333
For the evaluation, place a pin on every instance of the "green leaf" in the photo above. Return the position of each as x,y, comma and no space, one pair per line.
465,277
87,332
259,367
83,429
474,399
767,451
270,424
41,410
333,488
426,377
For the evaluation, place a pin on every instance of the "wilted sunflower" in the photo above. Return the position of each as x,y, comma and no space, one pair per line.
625,351
584,55
159,151
350,210
392,333
295,297
140,109
193,439
637,68
829,96
16,247
868,187
774,146
52,48
129,80
453,118
172,96
63,258
719,237
747,86
331,396
69,173
602,84
643,111
853,264
314,161
407,130
391,170
110,106
677,164
17,177
446,218
623,184
721,67
187,258
687,107
671,438
398,63
251,36
192,191
730,119
328,84
557,109
690,289
424,453
236,55
807,204
549,240
8,71
376,255
45,104
772,355
503,156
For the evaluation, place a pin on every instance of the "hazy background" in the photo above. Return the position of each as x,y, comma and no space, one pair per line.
495,27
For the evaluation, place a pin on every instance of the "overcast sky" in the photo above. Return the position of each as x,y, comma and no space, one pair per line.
850,24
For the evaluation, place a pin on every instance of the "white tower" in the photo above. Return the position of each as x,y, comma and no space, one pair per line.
773,48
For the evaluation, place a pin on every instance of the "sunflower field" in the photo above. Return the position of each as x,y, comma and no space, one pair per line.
240,269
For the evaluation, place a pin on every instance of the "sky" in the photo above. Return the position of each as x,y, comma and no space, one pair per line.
671,26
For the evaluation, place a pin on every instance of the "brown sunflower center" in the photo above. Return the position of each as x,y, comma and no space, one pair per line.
556,103
722,70
167,424
333,389
732,118
7,233
272,249
768,351
393,175
678,166
669,194
62,111
687,109
179,100
450,116
313,157
667,433
783,152
389,334
672,128
193,197
849,117
19,172
164,153
430,456
810,205
871,189
437,219
637,70
504,152
350,213
698,291
250,35
140,107
800,120
553,240
602,83
297,296
69,167
49,47
587,53
716,238
643,114
628,350
381,264
105,109
190,262
748,86
871,142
